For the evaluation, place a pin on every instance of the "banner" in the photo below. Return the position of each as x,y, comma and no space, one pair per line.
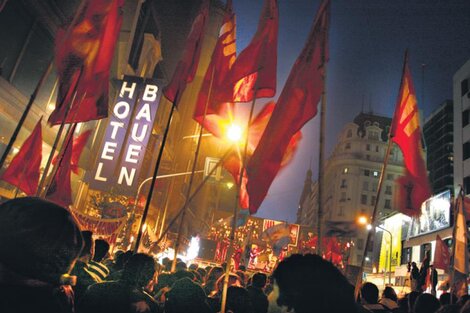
126,137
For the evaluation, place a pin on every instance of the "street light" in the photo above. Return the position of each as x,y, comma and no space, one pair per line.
363,220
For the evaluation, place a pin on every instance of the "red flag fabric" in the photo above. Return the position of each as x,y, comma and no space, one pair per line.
256,66
83,56
187,66
297,104
233,162
23,171
60,190
406,133
441,255
218,114
78,145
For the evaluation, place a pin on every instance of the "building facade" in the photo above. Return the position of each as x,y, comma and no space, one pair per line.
351,179
461,83
438,135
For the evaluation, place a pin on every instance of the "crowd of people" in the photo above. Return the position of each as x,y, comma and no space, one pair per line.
48,264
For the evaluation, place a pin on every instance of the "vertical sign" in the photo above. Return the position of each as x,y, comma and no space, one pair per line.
140,130
126,137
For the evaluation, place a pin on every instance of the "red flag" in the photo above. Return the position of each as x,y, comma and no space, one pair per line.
406,133
83,57
441,255
233,162
187,66
218,114
256,66
297,104
60,190
23,171
78,145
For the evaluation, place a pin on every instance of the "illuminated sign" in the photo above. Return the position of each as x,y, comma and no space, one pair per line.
435,215
126,137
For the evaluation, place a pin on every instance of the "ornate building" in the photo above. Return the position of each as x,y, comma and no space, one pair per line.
351,178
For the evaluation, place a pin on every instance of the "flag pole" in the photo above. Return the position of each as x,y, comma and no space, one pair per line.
12,140
154,178
235,207
377,198
53,149
196,191
188,191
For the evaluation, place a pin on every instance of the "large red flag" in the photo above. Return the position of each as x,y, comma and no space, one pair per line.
297,104
187,66
60,190
78,145
218,114
23,171
83,56
441,255
406,133
256,66
233,162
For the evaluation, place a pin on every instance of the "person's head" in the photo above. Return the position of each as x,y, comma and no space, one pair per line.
450,308
242,268
412,296
202,272
139,270
181,266
214,274
444,299
193,267
238,300
101,250
186,296
258,280
38,239
369,293
306,281
390,293
426,303
122,259
182,274
413,265
233,280
88,247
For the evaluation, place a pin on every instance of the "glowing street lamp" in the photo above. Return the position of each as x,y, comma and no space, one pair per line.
234,133
362,220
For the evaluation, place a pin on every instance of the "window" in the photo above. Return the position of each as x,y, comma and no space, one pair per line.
466,150
343,197
366,173
389,176
464,86
343,183
374,186
406,255
425,251
347,146
368,147
377,149
367,157
466,184
345,170
387,204
365,186
349,134
388,190
373,135
360,243
363,199
376,173
465,117
359,258
372,200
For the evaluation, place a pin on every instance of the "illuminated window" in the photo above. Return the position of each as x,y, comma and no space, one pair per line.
345,170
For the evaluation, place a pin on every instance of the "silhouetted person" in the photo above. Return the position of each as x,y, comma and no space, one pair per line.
414,277
370,298
308,283
434,279
95,265
127,295
39,243
426,303
238,300
256,293
186,296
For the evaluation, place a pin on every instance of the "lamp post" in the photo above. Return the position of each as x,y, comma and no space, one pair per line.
363,220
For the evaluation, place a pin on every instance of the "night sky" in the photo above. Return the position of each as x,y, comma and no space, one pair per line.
368,39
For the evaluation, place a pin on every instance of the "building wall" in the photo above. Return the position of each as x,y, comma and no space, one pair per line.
351,178
438,134
461,83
